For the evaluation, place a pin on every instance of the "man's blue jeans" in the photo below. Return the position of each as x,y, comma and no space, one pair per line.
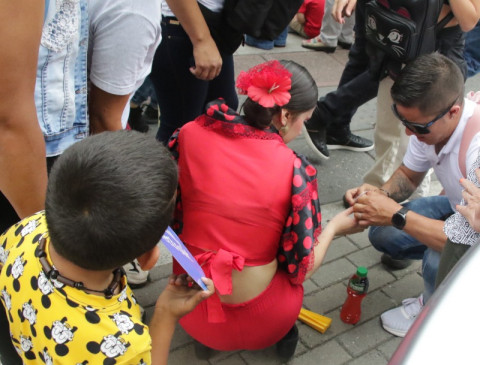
280,41
400,245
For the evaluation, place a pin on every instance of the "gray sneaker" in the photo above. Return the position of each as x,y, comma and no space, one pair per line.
398,321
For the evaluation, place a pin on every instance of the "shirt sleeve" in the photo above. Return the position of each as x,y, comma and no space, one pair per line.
121,52
415,157
303,225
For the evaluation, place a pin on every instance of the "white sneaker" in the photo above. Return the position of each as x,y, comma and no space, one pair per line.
398,321
136,277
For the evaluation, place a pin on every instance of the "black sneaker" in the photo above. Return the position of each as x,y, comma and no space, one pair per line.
135,120
287,345
201,351
394,264
344,45
316,140
351,142
150,115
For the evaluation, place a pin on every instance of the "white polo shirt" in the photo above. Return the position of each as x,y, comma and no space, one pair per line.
421,156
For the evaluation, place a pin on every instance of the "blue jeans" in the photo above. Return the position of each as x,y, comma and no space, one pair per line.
472,51
181,96
144,92
400,245
280,41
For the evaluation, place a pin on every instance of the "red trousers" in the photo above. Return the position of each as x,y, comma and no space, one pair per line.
252,325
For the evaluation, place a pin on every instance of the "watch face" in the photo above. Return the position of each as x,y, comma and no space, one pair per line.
398,219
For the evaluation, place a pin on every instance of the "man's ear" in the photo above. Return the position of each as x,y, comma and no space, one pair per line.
148,260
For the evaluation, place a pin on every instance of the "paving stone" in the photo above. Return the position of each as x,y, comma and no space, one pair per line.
235,359
410,286
185,355
360,239
333,272
180,338
415,267
339,248
389,347
161,271
165,255
326,299
363,337
330,353
148,295
367,257
222,357
308,287
345,166
329,211
267,356
372,357
365,118
378,277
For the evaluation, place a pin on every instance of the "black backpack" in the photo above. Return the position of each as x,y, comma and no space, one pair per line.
404,29
264,19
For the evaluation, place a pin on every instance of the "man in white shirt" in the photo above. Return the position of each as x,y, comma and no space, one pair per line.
429,100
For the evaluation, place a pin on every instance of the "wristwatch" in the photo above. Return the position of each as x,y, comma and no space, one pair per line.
399,219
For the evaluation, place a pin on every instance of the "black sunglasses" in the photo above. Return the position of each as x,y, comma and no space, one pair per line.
420,128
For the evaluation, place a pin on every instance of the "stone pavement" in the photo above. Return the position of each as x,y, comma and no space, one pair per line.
366,342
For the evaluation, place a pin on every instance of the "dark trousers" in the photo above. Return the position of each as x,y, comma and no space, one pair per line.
181,96
357,85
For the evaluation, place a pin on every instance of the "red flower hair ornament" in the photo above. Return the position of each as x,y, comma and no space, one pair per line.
267,83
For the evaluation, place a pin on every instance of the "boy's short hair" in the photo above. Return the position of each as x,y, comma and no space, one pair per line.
110,198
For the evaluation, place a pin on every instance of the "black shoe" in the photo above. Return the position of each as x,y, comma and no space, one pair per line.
394,264
150,115
287,345
317,140
344,45
350,142
202,352
135,120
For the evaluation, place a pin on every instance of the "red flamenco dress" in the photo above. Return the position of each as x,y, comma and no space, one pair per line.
244,199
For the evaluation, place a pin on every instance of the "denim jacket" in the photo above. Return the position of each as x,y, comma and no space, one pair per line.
61,86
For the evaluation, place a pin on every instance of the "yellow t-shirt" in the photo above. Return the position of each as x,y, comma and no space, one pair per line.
57,324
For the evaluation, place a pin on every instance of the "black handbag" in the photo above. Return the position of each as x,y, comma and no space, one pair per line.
403,29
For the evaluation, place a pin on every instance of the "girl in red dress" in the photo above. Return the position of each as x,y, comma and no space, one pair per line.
248,210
